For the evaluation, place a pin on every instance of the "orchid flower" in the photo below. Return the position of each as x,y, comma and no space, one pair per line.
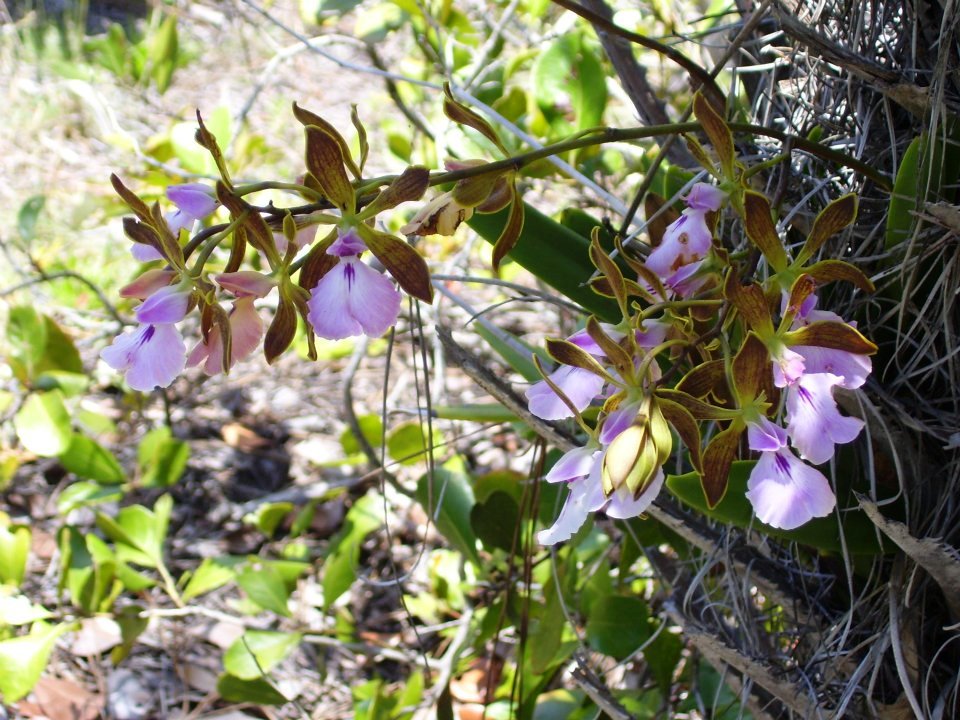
194,201
153,354
813,421
786,492
352,298
687,239
581,469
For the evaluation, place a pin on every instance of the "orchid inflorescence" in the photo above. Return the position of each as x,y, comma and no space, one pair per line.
749,349
692,308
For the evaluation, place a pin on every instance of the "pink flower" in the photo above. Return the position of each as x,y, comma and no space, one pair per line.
147,284
194,202
352,298
813,421
705,197
786,492
581,468
145,253
150,356
246,329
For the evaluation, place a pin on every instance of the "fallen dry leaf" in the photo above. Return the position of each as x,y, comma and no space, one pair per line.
66,700
96,635
243,438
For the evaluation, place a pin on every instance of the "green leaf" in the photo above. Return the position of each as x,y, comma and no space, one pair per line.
407,442
905,195
161,458
555,254
372,429
59,351
343,557
618,625
735,509
18,610
211,574
43,424
257,652
140,529
23,659
663,655
163,52
27,338
568,76
495,520
87,569
258,692
264,585
84,493
88,459
448,499
517,354
14,549
28,215
267,517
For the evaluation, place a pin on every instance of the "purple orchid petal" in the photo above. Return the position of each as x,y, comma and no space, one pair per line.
166,305
194,200
786,493
704,196
304,236
145,253
618,421
764,435
576,463
653,334
813,421
686,281
150,356
353,299
623,505
686,240
347,244
852,368
787,367
579,385
586,496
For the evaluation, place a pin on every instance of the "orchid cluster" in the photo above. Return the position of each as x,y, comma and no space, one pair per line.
336,293
754,354
689,308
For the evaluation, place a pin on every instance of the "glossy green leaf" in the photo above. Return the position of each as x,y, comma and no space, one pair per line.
163,52
618,625
495,520
568,76
27,338
43,424
14,550
23,659
84,493
141,530
904,198
371,426
211,574
264,585
407,442
88,459
257,692
267,517
343,557
161,458
257,652
447,498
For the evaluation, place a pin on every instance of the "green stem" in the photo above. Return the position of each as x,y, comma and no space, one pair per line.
677,305
214,240
169,585
274,185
